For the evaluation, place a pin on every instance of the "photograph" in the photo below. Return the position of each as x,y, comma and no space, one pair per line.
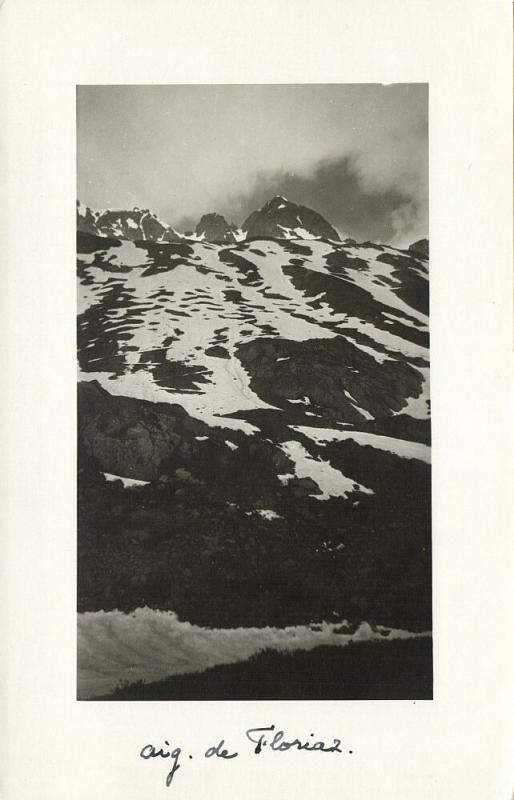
253,392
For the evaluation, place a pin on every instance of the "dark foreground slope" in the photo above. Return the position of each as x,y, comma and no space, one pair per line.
386,670
193,539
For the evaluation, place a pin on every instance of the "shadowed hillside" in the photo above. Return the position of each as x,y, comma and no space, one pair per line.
366,671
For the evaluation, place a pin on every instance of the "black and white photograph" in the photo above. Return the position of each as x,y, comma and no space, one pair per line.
256,486
254,436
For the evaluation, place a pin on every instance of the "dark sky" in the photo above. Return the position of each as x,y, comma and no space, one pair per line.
357,153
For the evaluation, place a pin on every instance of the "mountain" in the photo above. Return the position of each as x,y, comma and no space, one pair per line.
279,219
86,220
254,426
283,219
215,228
421,247
135,225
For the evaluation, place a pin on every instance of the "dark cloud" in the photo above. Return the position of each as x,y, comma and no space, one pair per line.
357,153
336,192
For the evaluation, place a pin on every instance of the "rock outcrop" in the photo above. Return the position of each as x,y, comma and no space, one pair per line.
215,228
282,219
421,247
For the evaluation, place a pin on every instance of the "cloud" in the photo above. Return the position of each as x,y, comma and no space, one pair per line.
357,153
365,170
362,205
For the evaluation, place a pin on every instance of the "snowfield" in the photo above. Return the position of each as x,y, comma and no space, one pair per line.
142,309
166,323
150,645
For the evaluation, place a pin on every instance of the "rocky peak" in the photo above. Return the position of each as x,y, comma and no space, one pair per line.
277,202
284,219
421,247
215,228
86,219
139,224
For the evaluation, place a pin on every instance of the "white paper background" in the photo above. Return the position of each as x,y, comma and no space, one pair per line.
460,744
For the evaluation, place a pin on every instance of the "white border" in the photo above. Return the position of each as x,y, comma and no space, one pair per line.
456,746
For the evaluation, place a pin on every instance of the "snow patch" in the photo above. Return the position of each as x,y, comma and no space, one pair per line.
127,255
150,645
398,447
356,406
331,482
287,232
266,513
303,233
419,407
127,482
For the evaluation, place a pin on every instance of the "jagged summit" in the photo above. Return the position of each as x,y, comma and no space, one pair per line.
135,225
86,219
279,218
283,219
214,227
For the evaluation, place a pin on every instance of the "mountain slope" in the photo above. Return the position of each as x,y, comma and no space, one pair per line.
352,321
377,670
271,400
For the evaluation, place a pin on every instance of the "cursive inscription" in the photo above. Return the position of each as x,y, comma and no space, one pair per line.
149,751
268,737
279,744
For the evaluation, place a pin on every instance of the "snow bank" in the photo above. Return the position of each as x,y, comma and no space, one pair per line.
331,482
399,447
150,645
127,482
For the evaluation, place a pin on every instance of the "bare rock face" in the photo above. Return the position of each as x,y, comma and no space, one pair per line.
421,247
332,374
139,452
169,235
135,225
86,220
215,228
124,438
283,219
217,351
161,442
